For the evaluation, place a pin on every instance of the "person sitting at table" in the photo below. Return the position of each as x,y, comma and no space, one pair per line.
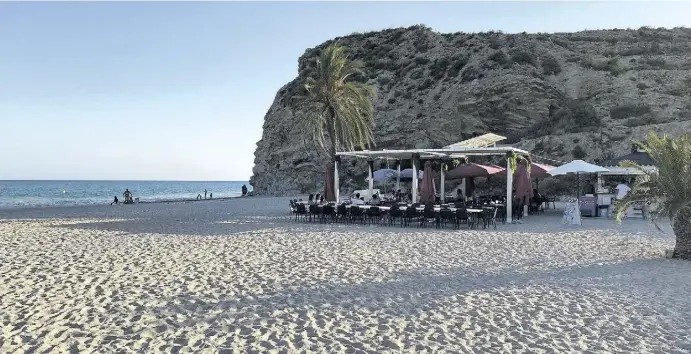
317,198
375,200
356,200
310,200
535,201
321,200
589,187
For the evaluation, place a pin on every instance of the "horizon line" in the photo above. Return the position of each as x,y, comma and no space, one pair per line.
114,180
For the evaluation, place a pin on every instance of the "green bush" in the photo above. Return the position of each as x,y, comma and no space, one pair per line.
611,65
646,119
550,65
458,64
438,67
499,57
470,73
628,110
578,152
523,57
392,100
421,60
417,73
657,63
426,84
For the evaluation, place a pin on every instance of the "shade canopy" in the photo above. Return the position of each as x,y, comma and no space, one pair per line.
408,174
577,166
538,170
383,175
473,170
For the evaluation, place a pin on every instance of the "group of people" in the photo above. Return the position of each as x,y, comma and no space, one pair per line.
127,196
315,199
199,196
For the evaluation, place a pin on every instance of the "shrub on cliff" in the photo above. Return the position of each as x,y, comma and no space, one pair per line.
550,65
628,110
523,57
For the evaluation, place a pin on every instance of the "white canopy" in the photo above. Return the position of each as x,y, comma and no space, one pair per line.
577,166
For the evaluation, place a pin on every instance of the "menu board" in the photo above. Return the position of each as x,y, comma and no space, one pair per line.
572,213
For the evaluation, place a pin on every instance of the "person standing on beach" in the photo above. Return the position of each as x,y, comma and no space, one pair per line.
211,196
205,193
244,190
127,195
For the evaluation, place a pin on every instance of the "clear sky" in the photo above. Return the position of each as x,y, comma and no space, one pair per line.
178,91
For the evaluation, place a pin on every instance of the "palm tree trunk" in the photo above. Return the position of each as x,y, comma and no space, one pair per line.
682,230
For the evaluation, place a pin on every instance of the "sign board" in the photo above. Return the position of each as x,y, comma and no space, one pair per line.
572,213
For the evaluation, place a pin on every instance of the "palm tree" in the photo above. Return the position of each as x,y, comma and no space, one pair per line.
667,192
337,106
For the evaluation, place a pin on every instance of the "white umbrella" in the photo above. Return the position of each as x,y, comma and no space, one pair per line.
577,166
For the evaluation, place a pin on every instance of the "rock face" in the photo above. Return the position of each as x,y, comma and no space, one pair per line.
561,96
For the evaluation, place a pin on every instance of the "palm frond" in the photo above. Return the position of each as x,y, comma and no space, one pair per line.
338,111
669,189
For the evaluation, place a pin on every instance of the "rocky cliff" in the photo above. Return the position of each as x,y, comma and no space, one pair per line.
562,95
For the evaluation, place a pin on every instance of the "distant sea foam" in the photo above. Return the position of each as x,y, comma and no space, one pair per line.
19,194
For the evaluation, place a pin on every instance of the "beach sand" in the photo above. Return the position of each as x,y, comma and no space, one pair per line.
234,276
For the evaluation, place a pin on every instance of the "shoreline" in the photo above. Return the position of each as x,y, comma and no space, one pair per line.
162,201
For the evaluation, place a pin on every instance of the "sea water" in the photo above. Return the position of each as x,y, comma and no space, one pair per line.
17,194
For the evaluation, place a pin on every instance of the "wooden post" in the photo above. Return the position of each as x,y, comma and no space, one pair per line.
415,181
509,190
442,195
370,163
337,159
398,175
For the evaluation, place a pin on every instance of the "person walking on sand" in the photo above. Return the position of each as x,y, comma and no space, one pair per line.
205,193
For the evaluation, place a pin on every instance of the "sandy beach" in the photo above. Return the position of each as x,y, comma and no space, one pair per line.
235,276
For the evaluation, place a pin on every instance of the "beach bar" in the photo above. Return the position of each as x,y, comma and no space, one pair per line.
484,145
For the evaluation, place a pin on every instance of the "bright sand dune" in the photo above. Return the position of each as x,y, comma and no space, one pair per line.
234,276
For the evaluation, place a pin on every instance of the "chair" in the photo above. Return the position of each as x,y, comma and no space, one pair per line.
341,213
373,213
410,214
445,216
395,212
428,215
489,216
356,213
300,210
461,217
550,200
292,207
314,212
328,211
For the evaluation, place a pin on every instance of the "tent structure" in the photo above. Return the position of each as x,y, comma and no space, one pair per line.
577,167
638,156
485,145
473,170
384,175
